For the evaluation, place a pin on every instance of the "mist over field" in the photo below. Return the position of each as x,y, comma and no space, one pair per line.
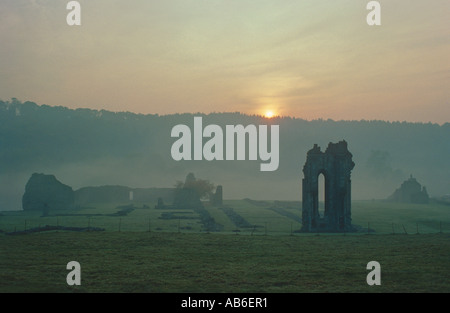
85,147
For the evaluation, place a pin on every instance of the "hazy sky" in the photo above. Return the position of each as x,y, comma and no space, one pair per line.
304,58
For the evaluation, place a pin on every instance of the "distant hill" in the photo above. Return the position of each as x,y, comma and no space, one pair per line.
86,147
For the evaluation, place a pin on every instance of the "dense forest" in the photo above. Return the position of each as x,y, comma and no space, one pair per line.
85,147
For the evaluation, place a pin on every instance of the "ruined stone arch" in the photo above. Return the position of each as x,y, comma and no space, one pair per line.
335,164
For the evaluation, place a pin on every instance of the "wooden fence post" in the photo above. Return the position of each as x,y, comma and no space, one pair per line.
404,229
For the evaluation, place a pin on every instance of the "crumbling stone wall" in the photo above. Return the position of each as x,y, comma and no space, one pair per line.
44,192
336,165
217,197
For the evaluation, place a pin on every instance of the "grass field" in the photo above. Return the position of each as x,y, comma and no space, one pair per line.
381,217
178,254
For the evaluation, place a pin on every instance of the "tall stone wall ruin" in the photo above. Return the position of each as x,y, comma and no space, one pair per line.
336,165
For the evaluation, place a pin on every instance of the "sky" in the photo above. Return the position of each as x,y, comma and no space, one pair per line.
303,58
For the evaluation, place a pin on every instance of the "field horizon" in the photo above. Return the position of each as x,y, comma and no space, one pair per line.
245,216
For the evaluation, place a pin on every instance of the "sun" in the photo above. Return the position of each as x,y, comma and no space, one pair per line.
269,114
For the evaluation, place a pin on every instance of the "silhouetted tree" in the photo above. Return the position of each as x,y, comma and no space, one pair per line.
189,193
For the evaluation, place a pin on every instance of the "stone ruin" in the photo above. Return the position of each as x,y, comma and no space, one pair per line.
217,197
160,205
336,165
44,192
411,191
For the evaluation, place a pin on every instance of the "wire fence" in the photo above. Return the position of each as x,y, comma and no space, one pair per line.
280,226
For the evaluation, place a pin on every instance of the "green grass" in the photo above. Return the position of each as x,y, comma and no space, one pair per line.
428,218
181,262
382,217
178,255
